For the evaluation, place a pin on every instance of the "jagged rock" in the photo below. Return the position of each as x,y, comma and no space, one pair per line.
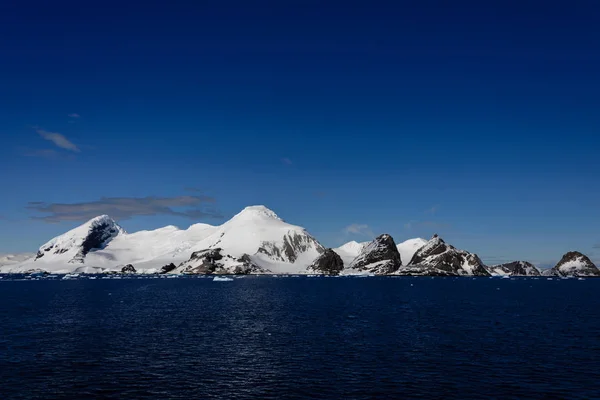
211,261
515,268
128,269
575,263
438,258
328,263
294,244
167,268
380,257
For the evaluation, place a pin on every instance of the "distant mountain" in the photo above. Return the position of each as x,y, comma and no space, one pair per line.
13,259
349,251
438,258
574,263
515,268
409,247
257,241
380,257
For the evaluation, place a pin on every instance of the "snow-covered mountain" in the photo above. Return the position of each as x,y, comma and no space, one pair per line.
438,258
574,263
379,257
255,240
515,268
263,239
73,247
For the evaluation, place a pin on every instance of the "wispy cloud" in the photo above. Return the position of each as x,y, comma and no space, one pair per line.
286,161
596,246
433,209
121,208
74,115
358,229
58,139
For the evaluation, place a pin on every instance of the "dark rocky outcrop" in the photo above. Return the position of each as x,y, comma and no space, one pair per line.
167,268
212,261
575,263
328,263
515,268
380,257
128,269
437,257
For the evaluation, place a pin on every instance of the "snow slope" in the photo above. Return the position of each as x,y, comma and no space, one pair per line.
13,259
409,247
349,251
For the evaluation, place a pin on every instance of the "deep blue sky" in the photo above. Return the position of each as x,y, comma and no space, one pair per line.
476,120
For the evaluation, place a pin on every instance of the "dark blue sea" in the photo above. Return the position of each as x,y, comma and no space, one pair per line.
300,338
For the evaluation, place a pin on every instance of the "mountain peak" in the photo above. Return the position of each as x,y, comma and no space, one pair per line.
258,211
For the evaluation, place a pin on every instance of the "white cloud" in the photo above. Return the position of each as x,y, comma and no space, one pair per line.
74,115
58,139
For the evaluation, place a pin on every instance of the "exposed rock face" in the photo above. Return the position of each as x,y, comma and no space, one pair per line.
212,261
438,258
380,257
575,264
328,263
515,268
167,268
77,243
294,244
128,269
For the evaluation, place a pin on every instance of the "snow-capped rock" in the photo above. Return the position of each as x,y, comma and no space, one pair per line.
380,257
73,247
128,269
574,263
213,261
438,258
328,263
515,268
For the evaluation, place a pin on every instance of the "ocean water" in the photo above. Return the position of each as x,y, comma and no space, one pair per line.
300,338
